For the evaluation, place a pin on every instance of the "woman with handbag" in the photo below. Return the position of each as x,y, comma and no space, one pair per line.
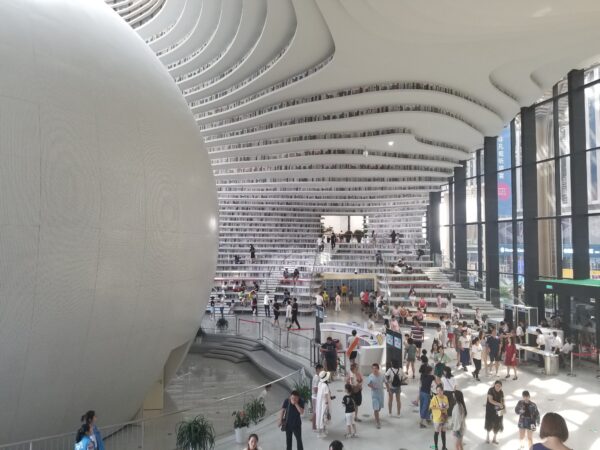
439,412
355,379
494,411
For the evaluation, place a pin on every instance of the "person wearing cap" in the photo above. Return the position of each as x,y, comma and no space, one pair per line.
323,406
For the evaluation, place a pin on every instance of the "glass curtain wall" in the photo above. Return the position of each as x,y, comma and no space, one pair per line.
554,220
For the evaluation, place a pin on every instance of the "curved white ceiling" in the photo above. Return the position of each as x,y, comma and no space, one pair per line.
379,95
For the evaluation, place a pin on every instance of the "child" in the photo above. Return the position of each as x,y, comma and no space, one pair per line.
411,353
350,408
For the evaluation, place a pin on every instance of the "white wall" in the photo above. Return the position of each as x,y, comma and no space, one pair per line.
107,217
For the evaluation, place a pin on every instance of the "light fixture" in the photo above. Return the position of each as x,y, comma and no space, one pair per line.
390,143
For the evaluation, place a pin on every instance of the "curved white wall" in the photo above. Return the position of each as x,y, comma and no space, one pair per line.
108,217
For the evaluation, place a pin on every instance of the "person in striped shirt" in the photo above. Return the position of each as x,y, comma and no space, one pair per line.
417,333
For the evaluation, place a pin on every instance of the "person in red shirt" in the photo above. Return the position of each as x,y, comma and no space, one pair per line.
423,304
510,357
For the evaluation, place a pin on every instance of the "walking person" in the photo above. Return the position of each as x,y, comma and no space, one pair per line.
90,418
288,315
349,411
529,418
458,422
355,379
476,351
439,411
252,252
427,381
323,408
290,419
510,358
417,333
554,432
295,314
314,391
267,304
254,304
376,382
393,383
494,411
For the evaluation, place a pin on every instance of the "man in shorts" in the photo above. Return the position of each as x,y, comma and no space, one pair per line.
493,346
376,381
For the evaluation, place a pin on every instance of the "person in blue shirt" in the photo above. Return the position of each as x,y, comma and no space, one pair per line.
90,418
83,440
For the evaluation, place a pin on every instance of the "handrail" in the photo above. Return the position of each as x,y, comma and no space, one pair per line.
142,421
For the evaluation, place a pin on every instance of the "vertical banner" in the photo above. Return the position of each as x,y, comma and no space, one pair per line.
504,178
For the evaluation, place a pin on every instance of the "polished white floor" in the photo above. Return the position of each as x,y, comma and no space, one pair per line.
576,398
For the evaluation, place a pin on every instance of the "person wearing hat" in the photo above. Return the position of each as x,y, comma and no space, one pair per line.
323,406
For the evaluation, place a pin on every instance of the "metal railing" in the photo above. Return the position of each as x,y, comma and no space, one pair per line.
159,432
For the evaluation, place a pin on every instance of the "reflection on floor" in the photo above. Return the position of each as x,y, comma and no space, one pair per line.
576,398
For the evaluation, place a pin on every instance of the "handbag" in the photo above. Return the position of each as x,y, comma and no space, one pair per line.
285,417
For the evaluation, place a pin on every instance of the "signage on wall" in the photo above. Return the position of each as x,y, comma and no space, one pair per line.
504,178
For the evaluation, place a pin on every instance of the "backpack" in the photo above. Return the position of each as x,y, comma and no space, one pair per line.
396,380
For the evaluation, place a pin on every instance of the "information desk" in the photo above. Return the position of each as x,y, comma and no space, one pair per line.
550,359
372,343
531,334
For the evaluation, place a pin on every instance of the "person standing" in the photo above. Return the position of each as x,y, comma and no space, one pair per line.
290,419
376,382
355,379
529,417
295,314
510,358
449,385
254,303
393,236
333,240
458,422
338,302
427,380
267,304
90,418
494,411
353,346
288,315
520,333
411,355
540,341
439,410
393,383
275,313
329,351
323,408
417,333
476,351
554,432
314,391
464,343
349,410
252,252
493,348
344,292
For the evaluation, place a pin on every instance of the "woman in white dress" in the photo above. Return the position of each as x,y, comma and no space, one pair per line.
323,407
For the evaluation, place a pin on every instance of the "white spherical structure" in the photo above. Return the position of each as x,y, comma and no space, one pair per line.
108,217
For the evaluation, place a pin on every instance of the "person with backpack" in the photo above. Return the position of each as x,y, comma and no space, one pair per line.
90,418
393,383
83,440
349,410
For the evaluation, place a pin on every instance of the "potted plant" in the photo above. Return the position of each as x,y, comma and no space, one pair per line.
222,324
304,390
241,422
348,236
195,434
255,410
358,234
